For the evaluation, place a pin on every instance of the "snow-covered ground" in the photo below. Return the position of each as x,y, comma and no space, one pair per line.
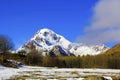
29,72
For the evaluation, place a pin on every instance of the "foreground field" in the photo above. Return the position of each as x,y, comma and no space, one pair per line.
44,73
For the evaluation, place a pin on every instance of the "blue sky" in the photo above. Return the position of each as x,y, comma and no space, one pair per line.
20,19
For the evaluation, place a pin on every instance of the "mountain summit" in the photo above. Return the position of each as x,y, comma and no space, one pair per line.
46,39
49,41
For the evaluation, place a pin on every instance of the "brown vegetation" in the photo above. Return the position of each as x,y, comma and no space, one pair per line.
100,61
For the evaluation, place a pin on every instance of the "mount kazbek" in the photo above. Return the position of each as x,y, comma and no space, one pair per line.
50,43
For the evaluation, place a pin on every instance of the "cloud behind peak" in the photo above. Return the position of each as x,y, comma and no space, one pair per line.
105,23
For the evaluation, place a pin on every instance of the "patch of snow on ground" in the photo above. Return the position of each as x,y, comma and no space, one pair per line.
55,73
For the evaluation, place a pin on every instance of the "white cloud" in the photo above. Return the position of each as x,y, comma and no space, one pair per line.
105,23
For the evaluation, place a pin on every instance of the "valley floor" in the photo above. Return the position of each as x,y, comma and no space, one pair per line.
50,73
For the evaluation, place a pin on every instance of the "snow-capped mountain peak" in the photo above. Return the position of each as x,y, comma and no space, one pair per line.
46,40
82,49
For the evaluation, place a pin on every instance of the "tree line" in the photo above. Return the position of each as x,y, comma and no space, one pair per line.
35,58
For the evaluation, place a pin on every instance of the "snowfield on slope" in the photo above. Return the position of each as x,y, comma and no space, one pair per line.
47,73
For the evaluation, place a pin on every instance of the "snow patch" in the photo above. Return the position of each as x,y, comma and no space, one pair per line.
54,73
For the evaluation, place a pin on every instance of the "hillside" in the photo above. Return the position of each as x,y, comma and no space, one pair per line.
115,50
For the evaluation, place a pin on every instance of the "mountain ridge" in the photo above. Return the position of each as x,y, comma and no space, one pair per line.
47,39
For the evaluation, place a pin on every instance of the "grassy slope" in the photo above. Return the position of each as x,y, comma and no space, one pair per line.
115,50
